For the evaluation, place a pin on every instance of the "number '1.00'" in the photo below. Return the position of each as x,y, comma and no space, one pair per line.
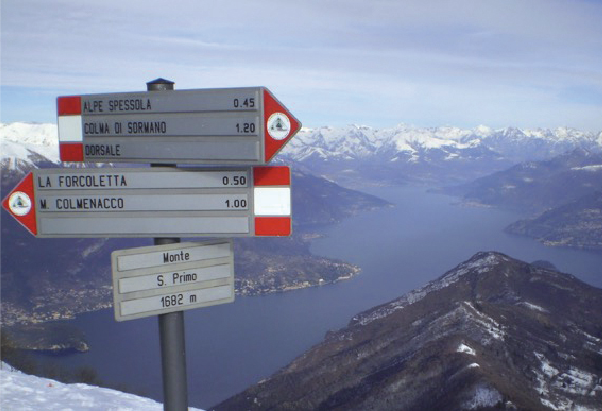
242,203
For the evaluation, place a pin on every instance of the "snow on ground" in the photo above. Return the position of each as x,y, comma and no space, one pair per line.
463,348
593,168
546,367
24,392
495,329
533,306
552,384
483,396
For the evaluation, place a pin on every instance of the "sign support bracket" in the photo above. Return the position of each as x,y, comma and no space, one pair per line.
171,328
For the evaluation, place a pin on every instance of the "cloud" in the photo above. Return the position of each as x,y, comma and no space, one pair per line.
447,58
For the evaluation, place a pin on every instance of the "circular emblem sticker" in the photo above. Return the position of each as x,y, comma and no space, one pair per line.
19,203
279,126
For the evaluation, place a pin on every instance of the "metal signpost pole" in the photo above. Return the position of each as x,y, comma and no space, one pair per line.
171,328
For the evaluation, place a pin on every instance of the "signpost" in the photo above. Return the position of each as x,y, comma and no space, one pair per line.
174,277
155,202
243,126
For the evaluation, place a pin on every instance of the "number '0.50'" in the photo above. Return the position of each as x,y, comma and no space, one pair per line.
234,181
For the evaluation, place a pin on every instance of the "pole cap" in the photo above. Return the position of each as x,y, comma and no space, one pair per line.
159,84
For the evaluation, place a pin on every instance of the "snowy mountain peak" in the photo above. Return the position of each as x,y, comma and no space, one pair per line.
513,132
23,144
482,130
480,263
40,134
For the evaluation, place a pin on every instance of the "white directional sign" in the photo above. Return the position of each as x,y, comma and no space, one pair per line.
154,202
244,126
174,277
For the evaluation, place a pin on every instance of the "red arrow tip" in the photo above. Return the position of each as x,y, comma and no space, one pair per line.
20,203
280,125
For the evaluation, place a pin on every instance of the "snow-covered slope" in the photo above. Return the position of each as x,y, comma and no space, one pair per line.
22,144
23,392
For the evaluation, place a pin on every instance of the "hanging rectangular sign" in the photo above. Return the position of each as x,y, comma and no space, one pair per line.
245,126
154,202
173,277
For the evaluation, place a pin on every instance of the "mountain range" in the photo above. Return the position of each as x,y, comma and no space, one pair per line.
561,197
428,154
492,333
362,154
536,186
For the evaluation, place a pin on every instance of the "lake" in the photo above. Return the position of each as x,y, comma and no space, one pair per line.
234,345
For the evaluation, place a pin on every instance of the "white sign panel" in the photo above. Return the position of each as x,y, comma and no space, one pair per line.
174,277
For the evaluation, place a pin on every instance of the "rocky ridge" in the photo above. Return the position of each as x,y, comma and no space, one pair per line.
494,332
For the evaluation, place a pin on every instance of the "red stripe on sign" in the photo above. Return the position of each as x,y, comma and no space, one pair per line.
27,220
71,151
273,226
69,106
272,176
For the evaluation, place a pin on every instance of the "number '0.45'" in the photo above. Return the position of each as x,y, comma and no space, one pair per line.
246,103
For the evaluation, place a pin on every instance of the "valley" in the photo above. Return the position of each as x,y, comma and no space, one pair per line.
400,249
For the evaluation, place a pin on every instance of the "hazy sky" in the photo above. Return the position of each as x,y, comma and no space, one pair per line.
535,63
